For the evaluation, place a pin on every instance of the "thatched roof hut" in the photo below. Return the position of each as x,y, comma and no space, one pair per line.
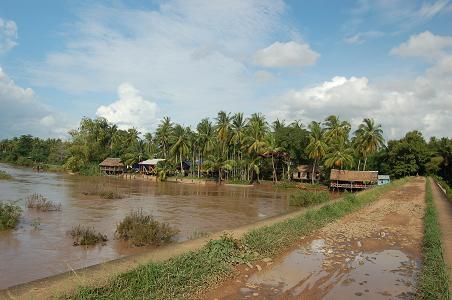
111,166
353,179
304,172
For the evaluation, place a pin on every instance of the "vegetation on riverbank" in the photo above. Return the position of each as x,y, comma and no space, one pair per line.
101,191
434,279
142,230
85,236
5,176
39,202
185,275
445,186
9,215
304,198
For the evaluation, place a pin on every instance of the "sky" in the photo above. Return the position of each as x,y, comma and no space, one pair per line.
134,62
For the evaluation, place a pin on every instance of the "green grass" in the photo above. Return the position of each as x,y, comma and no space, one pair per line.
304,198
41,203
9,215
433,280
186,275
5,176
445,186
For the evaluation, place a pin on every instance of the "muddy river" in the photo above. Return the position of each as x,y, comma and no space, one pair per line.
40,247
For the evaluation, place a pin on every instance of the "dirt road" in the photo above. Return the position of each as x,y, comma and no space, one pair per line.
444,208
371,254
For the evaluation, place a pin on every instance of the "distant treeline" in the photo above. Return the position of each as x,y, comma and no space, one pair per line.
238,148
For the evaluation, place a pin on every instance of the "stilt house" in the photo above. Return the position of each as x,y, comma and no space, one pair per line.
345,179
111,166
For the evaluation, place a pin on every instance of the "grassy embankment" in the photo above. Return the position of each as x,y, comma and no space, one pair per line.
192,272
445,186
433,280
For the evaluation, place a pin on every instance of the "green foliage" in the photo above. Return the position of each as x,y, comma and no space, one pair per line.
9,215
85,235
142,230
5,176
433,280
39,202
303,198
445,186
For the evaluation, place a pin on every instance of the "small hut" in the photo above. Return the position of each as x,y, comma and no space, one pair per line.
111,166
346,179
148,166
383,179
304,173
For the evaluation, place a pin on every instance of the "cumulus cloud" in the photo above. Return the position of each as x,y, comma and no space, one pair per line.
8,35
290,54
421,103
130,110
22,113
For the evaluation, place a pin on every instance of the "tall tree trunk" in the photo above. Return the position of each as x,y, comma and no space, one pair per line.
359,163
313,172
365,162
275,179
181,166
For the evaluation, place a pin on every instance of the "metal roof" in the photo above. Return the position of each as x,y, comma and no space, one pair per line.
151,162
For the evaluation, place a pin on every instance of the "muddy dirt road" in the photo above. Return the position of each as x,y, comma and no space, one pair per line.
374,253
444,208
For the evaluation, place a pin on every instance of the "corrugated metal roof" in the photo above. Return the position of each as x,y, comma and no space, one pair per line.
346,175
151,162
383,177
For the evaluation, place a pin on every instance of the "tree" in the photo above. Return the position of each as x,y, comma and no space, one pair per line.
336,129
317,147
163,134
339,156
369,138
181,144
273,150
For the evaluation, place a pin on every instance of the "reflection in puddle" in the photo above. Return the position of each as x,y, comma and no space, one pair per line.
319,271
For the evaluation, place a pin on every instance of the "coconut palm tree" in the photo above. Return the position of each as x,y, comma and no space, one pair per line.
336,129
257,128
217,163
317,147
238,137
223,129
272,149
340,155
163,134
181,144
205,140
369,138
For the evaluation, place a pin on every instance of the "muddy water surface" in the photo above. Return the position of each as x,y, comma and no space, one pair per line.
27,253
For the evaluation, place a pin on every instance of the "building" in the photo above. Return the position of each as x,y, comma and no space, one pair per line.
304,173
346,179
111,166
148,166
383,179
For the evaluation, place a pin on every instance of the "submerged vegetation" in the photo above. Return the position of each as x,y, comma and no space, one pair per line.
187,274
303,198
39,202
433,280
100,190
5,176
9,215
85,235
142,230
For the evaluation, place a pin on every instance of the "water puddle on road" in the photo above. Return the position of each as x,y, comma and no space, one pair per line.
321,271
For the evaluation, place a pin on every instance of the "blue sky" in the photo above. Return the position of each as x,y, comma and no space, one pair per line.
134,62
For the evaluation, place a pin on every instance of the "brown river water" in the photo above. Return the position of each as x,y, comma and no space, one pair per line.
27,253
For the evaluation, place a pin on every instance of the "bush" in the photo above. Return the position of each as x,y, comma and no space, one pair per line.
5,176
99,190
307,198
445,186
142,230
84,235
41,203
9,215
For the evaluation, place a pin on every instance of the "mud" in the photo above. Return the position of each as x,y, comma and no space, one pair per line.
374,253
28,254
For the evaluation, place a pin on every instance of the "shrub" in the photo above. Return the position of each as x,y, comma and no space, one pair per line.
99,190
142,230
41,203
5,176
9,215
85,235
307,198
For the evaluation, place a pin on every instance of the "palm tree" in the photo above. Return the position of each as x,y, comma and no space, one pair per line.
217,163
223,129
317,147
272,149
181,144
339,156
335,129
205,140
163,134
369,137
256,130
238,136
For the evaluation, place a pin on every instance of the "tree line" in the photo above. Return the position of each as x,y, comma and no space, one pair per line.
235,147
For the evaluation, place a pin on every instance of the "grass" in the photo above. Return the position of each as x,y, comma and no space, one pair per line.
5,176
188,274
9,215
39,202
304,198
445,186
433,280
85,235
98,190
142,230
237,181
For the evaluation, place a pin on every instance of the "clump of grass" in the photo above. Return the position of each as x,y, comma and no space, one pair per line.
185,275
196,234
98,190
142,230
5,176
39,202
36,224
85,235
433,280
307,198
9,215
286,185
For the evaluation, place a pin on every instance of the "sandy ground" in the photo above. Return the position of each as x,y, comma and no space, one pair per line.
374,253
444,208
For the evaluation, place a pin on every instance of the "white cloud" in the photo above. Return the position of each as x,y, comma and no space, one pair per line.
130,110
290,54
22,113
362,37
425,44
8,35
